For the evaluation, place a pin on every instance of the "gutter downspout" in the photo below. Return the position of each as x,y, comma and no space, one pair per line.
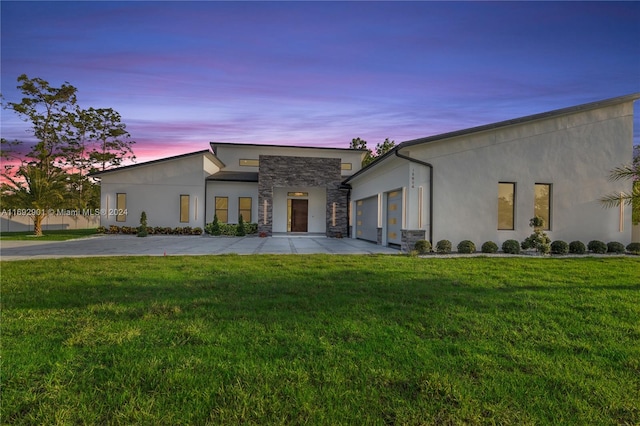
424,163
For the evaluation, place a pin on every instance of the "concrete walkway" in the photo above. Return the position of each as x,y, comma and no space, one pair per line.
173,245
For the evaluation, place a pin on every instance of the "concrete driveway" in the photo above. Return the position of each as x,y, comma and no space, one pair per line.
169,245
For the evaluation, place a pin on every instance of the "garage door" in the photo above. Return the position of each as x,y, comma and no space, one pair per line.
367,219
394,217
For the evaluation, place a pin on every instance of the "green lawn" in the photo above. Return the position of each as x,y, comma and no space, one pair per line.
321,340
56,235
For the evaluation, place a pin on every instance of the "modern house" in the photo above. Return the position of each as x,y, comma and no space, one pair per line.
483,184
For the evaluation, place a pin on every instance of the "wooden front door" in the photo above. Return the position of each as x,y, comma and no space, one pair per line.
299,215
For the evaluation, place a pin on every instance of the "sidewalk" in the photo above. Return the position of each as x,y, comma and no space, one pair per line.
175,245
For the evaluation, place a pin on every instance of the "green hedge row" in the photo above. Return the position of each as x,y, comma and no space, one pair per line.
513,247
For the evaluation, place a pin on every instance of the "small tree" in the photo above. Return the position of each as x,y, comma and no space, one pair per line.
539,240
142,229
240,232
215,226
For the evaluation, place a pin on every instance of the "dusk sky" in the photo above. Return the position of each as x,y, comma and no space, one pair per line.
183,74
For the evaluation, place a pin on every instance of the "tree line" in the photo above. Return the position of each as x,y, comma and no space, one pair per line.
71,142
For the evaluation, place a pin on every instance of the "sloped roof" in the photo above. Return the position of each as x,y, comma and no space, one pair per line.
529,118
160,160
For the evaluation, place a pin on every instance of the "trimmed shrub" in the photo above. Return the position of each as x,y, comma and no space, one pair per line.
196,231
240,232
186,230
489,247
615,247
596,246
559,247
142,229
422,246
114,229
443,247
633,248
214,227
577,247
511,247
466,246
539,240
101,230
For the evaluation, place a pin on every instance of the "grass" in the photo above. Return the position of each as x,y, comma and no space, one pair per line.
321,340
53,235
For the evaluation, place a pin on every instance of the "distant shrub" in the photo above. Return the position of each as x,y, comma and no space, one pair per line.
615,247
511,247
196,231
443,247
178,230
538,240
577,247
186,230
489,247
559,247
596,246
114,229
229,229
240,231
213,228
633,248
466,246
142,229
422,246
101,230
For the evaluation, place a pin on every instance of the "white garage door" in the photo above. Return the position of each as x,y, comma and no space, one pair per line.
367,219
394,217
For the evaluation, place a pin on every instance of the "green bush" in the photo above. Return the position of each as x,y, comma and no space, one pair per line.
142,229
466,246
422,246
230,230
511,247
443,247
559,247
240,231
633,248
214,227
101,230
114,229
489,247
196,231
577,247
615,247
539,240
596,246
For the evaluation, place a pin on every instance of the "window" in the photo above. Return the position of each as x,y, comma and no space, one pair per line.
506,205
121,207
542,205
222,209
346,166
184,208
249,163
244,209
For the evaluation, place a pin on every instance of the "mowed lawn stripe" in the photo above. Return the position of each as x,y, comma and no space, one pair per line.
321,339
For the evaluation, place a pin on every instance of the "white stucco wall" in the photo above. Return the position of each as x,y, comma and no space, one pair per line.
156,188
573,152
232,190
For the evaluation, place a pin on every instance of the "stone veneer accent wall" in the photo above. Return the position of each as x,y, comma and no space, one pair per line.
284,172
410,237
